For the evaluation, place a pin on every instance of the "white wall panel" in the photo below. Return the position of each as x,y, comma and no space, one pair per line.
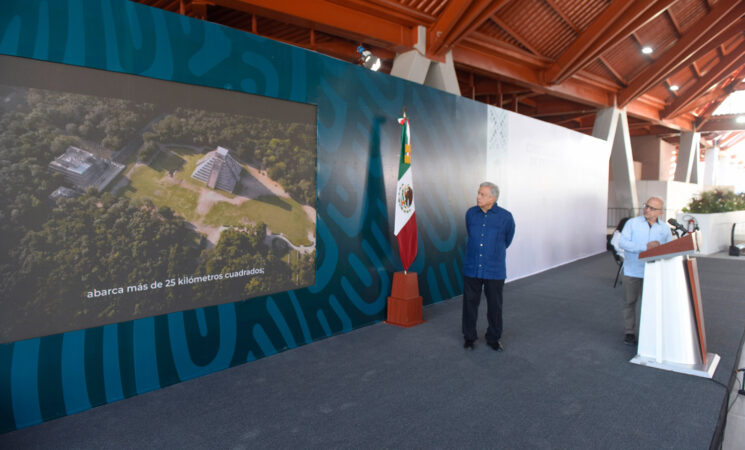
555,183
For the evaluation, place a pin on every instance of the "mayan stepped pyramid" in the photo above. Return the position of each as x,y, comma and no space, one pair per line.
219,170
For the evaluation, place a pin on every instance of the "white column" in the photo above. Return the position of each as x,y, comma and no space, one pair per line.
687,168
711,166
413,65
442,75
605,124
611,124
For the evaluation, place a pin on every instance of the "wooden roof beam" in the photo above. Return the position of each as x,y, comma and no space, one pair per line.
566,114
563,15
674,22
495,87
708,97
553,106
613,24
631,29
731,140
490,45
509,64
642,109
389,9
330,17
576,118
598,30
490,60
698,36
613,71
730,31
520,39
714,76
718,95
446,32
448,19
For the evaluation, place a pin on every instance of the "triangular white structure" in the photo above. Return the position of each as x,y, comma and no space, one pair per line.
218,169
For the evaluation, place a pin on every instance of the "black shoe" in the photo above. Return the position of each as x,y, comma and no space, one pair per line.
497,346
629,339
468,343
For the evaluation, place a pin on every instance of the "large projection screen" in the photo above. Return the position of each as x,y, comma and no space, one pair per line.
127,197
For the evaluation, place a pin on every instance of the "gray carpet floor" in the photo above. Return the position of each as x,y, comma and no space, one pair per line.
564,381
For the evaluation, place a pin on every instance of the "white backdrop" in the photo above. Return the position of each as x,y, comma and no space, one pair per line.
555,183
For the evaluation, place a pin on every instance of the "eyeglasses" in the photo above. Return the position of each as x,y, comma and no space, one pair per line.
646,206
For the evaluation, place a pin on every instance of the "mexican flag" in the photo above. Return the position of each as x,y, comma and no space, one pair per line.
405,225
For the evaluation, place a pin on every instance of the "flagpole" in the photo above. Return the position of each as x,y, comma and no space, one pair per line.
405,303
404,116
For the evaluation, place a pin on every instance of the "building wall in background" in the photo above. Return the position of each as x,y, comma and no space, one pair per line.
667,170
646,150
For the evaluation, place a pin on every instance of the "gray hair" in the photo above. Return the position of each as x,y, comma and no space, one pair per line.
493,188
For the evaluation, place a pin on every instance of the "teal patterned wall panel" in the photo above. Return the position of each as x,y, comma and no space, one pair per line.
358,144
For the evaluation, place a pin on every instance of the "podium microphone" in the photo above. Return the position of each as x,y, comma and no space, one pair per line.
678,226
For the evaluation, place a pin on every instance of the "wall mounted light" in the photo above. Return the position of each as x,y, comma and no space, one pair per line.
367,59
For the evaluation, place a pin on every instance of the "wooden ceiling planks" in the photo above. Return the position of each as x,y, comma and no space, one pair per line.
530,43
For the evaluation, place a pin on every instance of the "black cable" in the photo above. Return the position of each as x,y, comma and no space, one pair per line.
720,384
740,391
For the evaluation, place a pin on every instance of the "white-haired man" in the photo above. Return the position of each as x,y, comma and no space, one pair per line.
490,231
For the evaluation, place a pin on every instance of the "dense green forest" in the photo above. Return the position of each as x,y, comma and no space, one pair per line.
285,150
109,122
98,242
36,127
245,249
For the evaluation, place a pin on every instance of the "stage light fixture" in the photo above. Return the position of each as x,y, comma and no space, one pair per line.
367,59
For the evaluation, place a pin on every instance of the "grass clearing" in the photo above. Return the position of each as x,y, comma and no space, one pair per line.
149,183
167,181
282,215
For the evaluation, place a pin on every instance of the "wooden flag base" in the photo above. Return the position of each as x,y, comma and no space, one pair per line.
405,304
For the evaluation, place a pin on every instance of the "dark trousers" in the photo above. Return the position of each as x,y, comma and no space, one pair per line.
632,289
472,288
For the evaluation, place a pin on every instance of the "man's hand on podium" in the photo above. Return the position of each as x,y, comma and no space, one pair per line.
653,244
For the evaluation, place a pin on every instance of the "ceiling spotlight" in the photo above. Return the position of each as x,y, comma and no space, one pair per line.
647,50
740,119
367,59
674,87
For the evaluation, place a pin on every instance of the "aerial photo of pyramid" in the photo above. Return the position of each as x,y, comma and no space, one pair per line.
218,169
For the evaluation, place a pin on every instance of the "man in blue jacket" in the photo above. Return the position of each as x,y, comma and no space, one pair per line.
490,230
639,234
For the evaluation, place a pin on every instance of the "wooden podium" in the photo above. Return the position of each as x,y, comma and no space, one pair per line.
671,330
